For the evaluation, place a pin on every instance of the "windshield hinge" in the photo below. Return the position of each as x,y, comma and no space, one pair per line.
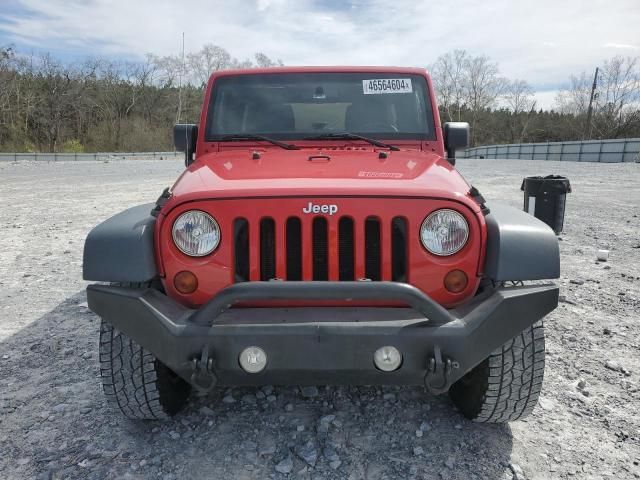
162,200
479,199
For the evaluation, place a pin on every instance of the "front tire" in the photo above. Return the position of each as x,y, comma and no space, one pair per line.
136,382
506,385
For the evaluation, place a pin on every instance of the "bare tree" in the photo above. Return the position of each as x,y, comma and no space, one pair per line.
147,77
8,76
519,99
467,86
263,61
169,69
117,96
207,60
449,81
19,99
574,99
519,96
616,107
97,104
83,108
54,99
102,105
483,84
618,101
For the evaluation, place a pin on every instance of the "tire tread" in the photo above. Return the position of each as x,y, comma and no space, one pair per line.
129,377
506,386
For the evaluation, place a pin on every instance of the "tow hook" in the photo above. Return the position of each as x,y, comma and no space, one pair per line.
438,377
203,376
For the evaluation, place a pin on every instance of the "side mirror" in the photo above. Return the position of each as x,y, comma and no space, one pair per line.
185,136
456,135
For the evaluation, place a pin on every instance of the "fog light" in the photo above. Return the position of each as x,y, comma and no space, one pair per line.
455,281
387,359
185,282
253,359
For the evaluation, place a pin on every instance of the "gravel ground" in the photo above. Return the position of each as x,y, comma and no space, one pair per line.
54,422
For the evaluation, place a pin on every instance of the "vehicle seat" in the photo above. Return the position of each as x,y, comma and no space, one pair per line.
366,113
265,118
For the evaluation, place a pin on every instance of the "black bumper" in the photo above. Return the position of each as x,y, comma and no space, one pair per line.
322,345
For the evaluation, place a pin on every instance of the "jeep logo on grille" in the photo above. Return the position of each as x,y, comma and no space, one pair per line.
313,208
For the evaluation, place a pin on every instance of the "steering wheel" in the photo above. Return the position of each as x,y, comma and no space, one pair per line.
378,127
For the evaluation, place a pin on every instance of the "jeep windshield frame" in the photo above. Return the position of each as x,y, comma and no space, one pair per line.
296,106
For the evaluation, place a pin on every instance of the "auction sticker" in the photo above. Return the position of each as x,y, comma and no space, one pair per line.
386,85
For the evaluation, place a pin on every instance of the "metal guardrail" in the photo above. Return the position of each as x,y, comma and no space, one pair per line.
606,151
77,157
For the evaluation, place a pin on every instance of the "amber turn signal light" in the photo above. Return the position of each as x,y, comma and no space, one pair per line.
455,281
185,282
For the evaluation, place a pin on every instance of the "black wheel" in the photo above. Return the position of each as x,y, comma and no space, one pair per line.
505,386
134,381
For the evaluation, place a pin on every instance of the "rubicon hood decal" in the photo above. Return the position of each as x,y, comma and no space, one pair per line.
380,174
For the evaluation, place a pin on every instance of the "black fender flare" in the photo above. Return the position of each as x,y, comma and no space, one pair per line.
121,249
519,246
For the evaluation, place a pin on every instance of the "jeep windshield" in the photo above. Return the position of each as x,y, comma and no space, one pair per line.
298,106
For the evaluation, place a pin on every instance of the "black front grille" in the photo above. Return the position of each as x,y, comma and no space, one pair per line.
241,249
399,249
294,249
267,249
320,249
372,260
264,241
346,253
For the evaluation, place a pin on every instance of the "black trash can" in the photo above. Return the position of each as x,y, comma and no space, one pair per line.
545,198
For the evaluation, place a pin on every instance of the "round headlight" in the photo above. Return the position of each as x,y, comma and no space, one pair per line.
196,233
444,232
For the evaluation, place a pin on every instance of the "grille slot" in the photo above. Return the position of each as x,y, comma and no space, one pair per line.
241,249
294,249
267,249
372,250
399,249
320,249
346,255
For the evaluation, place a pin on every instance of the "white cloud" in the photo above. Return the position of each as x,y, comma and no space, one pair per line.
543,41
621,46
545,99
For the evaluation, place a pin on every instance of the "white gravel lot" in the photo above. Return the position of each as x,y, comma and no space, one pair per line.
54,422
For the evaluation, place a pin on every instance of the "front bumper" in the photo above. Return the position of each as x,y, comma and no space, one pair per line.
322,345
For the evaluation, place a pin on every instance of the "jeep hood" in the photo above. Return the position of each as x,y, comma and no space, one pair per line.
320,172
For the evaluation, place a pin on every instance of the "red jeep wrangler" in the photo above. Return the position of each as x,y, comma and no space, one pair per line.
321,234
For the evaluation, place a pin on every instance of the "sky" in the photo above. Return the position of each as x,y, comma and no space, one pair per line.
541,41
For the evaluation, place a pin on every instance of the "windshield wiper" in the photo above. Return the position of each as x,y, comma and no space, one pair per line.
243,136
352,136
